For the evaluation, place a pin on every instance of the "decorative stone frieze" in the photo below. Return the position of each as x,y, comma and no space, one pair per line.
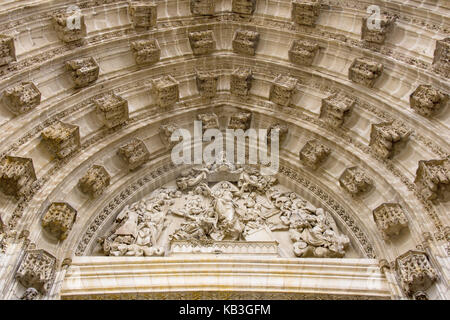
365,71
282,132
245,42
207,83
313,154
441,60
16,175
336,109
166,91
243,6
282,89
240,120
302,52
58,220
202,42
69,26
355,181
30,294
427,100
202,7
241,82
62,139
305,12
209,120
390,219
83,71
165,133
373,34
112,110
37,270
135,153
7,50
415,272
95,181
143,14
433,178
387,138
22,98
146,51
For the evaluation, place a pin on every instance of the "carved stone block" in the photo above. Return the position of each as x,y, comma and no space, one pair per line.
135,153
427,100
241,81
37,270
202,7
387,138
390,219
58,220
143,14
146,51
302,52
245,42
69,26
335,109
62,139
355,181
30,294
95,181
16,175
433,178
209,121
84,71
282,129
166,91
282,90
365,71
376,35
112,109
305,12
202,42
415,271
240,120
7,50
243,6
22,98
441,60
313,154
165,133
207,83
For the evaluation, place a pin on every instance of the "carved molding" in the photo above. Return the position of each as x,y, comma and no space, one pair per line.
207,83
241,81
441,62
202,42
66,30
143,14
240,120
112,110
283,87
303,52
243,6
166,91
245,41
335,109
433,179
202,7
305,12
84,72
7,50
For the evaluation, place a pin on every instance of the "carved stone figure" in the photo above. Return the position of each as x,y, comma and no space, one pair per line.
305,12
376,35
241,82
282,132
387,138
441,60
7,50
16,175
112,110
30,294
83,71
209,121
202,7
165,133
135,153
313,154
427,100
62,139
245,42
22,98
37,270
95,181
146,51
243,6
207,83
143,14
415,271
240,120
166,91
390,219
69,26
355,181
335,109
202,42
58,220
365,71
302,52
282,89
433,179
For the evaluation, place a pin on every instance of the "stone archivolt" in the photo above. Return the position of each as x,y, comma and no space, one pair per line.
202,7
135,153
305,12
240,120
202,42
302,52
58,219
7,50
243,6
390,219
355,181
282,89
112,110
433,179
336,108
245,42
16,175
62,139
207,83
95,181
241,81
387,138
313,154
83,71
22,98
365,71
69,26
441,60
143,14
166,91
427,100
146,51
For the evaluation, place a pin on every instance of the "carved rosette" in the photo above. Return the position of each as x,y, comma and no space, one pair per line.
83,71
313,154
355,181
22,98
245,42
282,129
7,50
166,91
62,139
387,138
390,219
69,26
209,121
143,14
165,133
202,42
433,179
303,52
37,270
16,175
240,120
374,34
441,60
202,7
427,100
135,153
146,51
305,12
58,220
241,82
415,272
207,83
95,181
112,110
365,71
336,109
282,89
243,6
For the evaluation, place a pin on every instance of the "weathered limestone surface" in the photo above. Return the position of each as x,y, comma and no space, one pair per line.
202,42
387,138
22,98
62,139
433,179
302,52
84,71
427,100
69,26
243,6
390,219
376,35
241,81
202,7
95,181
355,181
209,120
143,14
58,220
336,108
7,50
146,51
240,120
365,71
305,12
37,270
245,42
166,91
112,110
282,89
135,153
207,83
16,175
313,154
